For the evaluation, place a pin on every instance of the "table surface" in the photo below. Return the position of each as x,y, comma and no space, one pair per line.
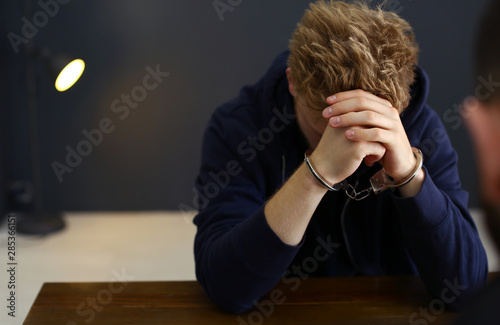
353,300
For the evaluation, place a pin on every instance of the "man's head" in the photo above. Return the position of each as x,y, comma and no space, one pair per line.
485,130
339,46
488,50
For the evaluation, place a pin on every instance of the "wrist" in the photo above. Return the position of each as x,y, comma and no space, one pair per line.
310,182
334,186
406,168
382,181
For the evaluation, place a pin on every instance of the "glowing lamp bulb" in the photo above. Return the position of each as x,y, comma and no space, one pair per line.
70,74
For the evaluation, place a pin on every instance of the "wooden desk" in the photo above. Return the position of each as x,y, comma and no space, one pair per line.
360,300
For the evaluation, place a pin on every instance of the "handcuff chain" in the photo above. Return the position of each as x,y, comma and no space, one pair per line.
358,196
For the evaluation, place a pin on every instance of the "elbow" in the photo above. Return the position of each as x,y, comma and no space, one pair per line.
223,296
456,295
234,308
227,301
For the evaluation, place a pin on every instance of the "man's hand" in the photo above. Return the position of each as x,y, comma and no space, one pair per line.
483,123
368,118
336,158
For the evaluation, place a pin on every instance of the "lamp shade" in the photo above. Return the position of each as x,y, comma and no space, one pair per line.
63,69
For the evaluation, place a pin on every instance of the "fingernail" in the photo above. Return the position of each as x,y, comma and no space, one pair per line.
331,98
328,111
335,120
349,133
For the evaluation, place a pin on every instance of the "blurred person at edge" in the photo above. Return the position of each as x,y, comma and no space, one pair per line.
349,90
482,117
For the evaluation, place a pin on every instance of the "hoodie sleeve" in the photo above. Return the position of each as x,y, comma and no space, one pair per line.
238,256
440,233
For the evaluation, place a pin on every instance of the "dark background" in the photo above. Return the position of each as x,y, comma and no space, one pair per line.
150,160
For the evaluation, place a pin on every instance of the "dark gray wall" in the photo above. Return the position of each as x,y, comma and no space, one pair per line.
150,158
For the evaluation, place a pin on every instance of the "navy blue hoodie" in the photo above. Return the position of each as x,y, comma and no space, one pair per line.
252,144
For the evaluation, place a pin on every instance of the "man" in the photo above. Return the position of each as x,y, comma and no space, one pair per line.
482,115
343,93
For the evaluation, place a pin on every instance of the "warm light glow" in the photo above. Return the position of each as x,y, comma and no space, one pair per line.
70,74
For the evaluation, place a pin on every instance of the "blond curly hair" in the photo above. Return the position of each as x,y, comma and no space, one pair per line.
339,46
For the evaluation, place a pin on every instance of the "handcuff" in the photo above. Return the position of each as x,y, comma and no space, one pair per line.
379,182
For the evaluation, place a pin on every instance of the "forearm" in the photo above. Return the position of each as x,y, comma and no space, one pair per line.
289,211
443,242
237,267
447,259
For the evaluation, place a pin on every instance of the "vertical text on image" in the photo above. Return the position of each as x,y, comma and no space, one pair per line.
11,266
